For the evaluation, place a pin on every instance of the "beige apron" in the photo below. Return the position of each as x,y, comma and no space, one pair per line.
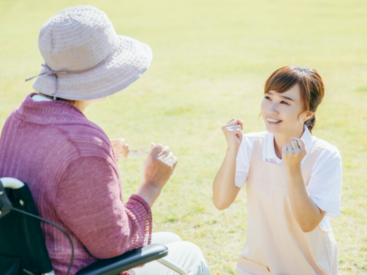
275,242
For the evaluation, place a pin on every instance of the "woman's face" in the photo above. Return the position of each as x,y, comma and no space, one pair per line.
284,113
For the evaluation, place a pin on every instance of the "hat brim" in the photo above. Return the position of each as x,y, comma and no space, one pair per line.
129,61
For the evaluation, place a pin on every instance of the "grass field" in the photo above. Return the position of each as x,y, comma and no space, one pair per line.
211,59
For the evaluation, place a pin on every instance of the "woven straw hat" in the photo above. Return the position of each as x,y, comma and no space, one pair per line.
85,58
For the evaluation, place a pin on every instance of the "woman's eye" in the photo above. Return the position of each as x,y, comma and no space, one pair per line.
283,102
267,97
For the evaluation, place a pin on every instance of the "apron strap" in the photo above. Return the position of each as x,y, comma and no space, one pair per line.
312,156
258,147
318,146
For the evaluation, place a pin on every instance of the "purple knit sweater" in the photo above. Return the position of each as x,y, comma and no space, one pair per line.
69,165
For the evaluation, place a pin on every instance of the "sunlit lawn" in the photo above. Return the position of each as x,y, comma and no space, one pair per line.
211,59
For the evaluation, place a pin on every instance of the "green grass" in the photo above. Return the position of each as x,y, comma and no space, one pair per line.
211,59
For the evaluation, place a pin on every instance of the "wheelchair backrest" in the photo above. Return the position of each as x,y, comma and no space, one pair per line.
22,244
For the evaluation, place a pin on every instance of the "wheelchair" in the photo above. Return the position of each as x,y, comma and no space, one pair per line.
22,244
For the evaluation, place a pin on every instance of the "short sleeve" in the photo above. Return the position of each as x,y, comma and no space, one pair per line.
324,186
243,160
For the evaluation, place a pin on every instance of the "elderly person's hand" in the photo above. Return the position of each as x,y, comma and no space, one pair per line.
157,169
120,148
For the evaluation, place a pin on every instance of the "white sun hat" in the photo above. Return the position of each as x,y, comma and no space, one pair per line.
85,58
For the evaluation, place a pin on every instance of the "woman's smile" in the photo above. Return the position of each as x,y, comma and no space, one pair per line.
273,121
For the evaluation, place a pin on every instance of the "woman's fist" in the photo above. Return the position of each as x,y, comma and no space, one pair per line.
293,153
120,148
159,166
233,132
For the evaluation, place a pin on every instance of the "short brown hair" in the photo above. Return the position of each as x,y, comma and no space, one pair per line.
309,81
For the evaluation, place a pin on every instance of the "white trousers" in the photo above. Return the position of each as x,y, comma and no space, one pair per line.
186,255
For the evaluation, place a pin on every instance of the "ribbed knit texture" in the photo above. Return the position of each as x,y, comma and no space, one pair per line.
69,165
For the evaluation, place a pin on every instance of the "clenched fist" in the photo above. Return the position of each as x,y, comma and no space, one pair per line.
159,166
120,148
293,153
233,132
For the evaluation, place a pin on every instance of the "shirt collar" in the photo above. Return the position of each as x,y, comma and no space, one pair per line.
269,150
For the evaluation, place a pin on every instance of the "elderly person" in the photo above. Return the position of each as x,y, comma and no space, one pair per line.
70,164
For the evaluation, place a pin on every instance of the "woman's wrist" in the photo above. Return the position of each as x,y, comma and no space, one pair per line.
149,193
232,149
293,171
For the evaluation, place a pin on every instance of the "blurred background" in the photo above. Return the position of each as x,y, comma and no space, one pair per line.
211,59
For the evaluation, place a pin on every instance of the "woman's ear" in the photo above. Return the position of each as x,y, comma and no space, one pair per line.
309,115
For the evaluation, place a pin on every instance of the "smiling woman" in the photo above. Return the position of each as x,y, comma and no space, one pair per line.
297,86
293,180
292,95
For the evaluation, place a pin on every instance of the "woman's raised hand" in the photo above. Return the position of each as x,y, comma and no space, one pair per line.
120,148
293,153
233,131
157,169
159,165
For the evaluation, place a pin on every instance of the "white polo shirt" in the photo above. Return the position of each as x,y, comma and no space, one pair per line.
324,186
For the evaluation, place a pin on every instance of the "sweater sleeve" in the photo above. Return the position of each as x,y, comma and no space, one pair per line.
89,204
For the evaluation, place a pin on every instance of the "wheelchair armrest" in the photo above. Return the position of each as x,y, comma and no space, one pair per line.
126,261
